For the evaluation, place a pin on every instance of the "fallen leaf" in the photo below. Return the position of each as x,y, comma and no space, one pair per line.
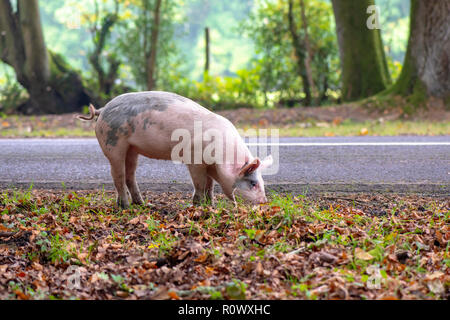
434,275
389,298
21,295
134,221
173,295
122,294
259,269
362,255
436,287
364,132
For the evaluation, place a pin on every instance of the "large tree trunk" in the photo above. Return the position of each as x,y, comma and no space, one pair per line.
426,69
37,65
152,56
52,86
363,60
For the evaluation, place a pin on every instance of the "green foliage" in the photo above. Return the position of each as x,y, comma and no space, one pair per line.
252,58
53,248
12,94
236,289
268,27
218,93
230,51
394,20
134,40
104,58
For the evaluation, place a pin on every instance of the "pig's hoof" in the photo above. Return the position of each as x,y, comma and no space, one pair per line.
123,205
202,200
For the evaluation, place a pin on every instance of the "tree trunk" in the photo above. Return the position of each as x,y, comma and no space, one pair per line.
152,56
207,53
363,60
37,65
299,49
107,72
426,69
52,86
308,56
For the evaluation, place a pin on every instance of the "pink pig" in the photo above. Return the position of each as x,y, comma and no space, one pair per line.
143,123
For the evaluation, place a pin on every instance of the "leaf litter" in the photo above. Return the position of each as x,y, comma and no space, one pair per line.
76,245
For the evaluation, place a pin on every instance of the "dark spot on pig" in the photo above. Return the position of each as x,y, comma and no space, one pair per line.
147,123
132,125
111,138
125,108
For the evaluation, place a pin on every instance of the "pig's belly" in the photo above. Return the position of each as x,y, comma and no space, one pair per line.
153,146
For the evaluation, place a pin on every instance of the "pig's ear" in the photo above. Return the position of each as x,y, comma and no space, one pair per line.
250,168
267,162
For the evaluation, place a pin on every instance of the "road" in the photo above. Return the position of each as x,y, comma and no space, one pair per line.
306,165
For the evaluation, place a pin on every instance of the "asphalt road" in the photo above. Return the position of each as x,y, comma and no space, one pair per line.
306,165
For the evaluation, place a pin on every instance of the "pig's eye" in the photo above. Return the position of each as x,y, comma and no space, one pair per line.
253,184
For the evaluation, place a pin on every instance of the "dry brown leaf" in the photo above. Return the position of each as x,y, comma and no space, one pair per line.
362,255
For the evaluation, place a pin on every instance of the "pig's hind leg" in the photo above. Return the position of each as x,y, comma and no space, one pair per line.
130,172
203,185
117,157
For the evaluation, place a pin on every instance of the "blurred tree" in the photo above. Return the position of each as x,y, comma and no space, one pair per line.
363,60
394,21
104,62
152,52
146,40
296,48
230,51
52,85
426,69
302,49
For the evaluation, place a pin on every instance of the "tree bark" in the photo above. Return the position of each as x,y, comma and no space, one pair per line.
308,56
106,72
207,52
52,86
363,60
299,49
426,69
152,56
37,65
12,50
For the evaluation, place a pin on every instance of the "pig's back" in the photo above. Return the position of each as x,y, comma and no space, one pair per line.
147,120
133,104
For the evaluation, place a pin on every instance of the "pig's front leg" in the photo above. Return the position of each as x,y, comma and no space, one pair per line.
203,185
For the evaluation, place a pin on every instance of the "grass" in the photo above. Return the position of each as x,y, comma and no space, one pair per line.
293,247
40,133
370,128
306,129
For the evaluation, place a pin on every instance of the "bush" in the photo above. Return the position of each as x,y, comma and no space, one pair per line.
12,94
219,93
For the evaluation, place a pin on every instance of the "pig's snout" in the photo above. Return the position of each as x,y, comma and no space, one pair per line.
262,200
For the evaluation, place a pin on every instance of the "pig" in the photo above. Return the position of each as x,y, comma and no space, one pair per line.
142,123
